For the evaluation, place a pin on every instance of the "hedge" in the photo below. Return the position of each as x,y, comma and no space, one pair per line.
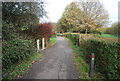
14,51
73,37
15,47
107,58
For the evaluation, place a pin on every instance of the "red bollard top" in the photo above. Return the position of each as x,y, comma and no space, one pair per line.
93,55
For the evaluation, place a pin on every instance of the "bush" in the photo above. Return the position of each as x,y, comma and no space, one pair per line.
15,48
15,51
73,37
44,30
106,55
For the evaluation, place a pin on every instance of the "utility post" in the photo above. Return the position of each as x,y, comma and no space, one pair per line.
92,65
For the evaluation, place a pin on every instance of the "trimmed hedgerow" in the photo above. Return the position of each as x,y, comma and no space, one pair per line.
14,51
73,37
107,58
15,47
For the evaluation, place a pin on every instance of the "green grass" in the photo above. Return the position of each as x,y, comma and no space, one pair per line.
79,61
82,66
109,36
21,68
53,40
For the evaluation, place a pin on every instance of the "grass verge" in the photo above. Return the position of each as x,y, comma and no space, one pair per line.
53,40
19,69
81,64
79,61
109,36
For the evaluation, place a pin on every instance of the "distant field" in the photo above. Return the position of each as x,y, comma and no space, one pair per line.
109,36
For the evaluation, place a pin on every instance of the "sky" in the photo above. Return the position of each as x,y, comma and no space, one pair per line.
55,8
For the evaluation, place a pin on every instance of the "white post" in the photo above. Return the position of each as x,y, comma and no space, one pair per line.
38,48
43,43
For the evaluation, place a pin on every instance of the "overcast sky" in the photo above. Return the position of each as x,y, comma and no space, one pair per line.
55,8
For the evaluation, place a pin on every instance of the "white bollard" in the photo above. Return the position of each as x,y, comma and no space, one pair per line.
38,48
43,43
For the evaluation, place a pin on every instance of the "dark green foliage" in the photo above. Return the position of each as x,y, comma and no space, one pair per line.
74,38
19,33
107,58
14,51
21,14
8,30
24,17
14,48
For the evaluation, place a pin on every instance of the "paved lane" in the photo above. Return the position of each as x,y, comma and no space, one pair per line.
56,63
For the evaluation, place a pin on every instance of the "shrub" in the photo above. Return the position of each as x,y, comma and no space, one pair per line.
15,51
15,48
106,55
73,37
45,30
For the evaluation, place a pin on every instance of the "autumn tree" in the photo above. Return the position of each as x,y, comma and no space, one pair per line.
95,15
84,17
69,19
